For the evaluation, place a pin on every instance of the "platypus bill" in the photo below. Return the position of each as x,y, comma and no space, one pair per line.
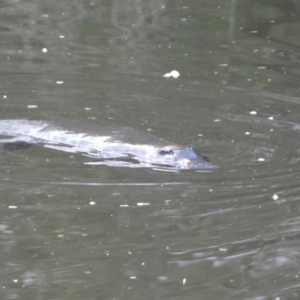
117,147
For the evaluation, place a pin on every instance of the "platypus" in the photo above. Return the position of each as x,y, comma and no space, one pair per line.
115,147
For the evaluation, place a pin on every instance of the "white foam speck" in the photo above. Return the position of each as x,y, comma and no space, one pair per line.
142,203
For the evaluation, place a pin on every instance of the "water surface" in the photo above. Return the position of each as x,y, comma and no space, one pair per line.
70,230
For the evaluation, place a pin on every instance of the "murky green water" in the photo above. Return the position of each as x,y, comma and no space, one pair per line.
73,231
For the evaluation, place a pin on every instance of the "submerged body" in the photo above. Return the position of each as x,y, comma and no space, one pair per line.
122,147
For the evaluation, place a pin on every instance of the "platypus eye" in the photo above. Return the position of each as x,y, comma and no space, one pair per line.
166,152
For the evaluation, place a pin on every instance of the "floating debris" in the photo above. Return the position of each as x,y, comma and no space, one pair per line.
174,74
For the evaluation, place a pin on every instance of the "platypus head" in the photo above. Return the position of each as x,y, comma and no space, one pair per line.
183,158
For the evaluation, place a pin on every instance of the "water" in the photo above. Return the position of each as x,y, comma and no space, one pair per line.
70,230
